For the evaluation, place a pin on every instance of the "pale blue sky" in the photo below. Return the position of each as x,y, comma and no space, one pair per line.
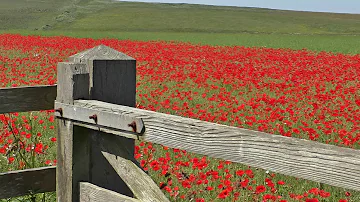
337,6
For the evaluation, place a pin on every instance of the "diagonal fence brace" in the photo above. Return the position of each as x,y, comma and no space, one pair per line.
100,119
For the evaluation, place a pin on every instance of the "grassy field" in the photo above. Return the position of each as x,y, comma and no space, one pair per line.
182,22
28,15
106,15
211,19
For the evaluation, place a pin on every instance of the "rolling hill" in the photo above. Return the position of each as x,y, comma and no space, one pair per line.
214,25
107,15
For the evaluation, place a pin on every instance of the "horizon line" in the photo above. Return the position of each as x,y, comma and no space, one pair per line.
216,5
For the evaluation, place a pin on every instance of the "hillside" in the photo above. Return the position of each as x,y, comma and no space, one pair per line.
116,16
213,25
29,14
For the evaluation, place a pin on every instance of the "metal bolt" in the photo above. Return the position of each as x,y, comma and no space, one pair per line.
94,117
59,110
133,126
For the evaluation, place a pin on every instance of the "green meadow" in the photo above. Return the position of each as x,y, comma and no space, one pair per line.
199,24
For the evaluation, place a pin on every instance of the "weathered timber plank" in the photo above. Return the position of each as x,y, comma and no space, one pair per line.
141,184
306,159
73,82
23,182
107,120
93,193
73,151
100,52
105,175
112,78
29,98
99,56
116,84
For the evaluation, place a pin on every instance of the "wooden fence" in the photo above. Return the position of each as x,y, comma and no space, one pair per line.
97,125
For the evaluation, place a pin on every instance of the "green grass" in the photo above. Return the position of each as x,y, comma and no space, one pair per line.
28,14
212,19
183,22
44,15
106,15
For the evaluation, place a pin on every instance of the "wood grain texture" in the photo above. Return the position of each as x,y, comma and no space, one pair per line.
143,187
73,82
104,57
29,98
103,119
64,185
23,182
73,151
93,193
112,78
111,144
310,160
100,52
115,82
102,172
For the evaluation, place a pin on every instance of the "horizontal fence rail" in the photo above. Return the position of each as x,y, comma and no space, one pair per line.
305,159
24,182
36,180
29,98
92,193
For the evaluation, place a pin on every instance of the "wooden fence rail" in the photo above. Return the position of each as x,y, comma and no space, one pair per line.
97,125
93,193
29,98
36,180
301,158
24,182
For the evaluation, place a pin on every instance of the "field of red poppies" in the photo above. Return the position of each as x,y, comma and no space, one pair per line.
295,93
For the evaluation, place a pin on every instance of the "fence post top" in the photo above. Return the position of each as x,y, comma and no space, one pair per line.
100,52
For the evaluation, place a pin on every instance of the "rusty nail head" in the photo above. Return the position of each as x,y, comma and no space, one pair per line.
133,126
94,117
59,110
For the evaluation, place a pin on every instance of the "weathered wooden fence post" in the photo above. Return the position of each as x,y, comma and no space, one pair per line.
73,83
111,78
